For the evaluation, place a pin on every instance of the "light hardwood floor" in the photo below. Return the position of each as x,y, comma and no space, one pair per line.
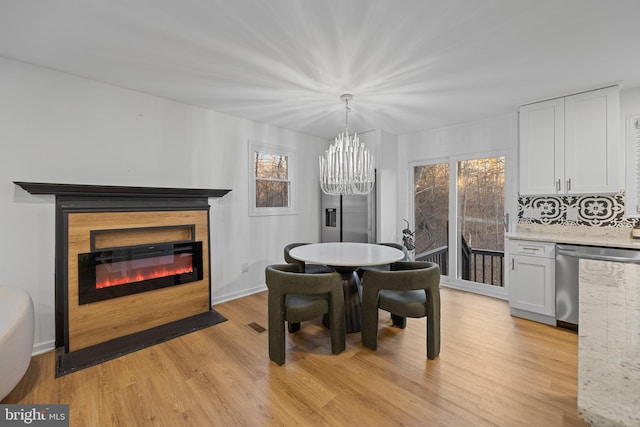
493,370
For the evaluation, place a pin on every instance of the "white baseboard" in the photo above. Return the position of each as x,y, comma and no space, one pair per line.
43,347
533,316
476,288
239,294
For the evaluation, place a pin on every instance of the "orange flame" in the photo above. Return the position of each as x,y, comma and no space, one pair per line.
133,275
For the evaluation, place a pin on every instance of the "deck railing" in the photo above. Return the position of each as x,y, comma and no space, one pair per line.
486,266
439,256
478,265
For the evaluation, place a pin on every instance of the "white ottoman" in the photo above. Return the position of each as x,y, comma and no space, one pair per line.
16,336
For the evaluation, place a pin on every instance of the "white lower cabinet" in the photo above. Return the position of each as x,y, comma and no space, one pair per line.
531,275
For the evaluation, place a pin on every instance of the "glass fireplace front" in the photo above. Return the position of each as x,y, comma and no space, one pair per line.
116,272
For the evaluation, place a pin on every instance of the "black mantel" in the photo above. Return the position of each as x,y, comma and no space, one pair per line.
116,191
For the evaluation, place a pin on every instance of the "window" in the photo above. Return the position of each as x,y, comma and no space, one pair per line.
271,181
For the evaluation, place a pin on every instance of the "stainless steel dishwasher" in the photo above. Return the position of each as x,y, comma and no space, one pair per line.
567,266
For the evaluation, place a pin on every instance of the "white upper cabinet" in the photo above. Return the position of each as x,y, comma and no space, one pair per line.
571,144
592,142
541,146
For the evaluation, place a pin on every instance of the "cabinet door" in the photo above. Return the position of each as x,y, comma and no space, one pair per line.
592,143
542,147
532,284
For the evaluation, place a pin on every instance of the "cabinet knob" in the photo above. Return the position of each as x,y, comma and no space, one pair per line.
569,184
558,184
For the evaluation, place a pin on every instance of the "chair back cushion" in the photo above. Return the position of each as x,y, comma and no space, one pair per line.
286,279
288,259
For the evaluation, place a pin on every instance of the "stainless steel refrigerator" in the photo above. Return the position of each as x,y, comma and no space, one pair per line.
349,218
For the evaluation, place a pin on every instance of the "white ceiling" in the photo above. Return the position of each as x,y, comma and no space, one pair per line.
412,65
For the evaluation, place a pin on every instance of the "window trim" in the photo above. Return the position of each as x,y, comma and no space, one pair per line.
292,209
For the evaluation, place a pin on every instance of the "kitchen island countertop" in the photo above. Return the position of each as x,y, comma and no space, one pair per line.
609,349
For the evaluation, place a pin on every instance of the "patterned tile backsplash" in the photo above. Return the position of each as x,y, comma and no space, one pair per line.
602,210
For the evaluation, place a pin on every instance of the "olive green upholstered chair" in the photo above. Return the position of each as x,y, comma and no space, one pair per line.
410,289
303,266
296,297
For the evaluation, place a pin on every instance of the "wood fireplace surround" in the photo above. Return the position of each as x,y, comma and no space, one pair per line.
91,218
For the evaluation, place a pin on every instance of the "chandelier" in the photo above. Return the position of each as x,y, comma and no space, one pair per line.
346,168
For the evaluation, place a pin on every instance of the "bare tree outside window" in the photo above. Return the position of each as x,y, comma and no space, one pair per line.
431,202
481,202
431,214
480,214
271,173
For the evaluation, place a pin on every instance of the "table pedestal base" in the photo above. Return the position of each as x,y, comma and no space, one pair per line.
352,299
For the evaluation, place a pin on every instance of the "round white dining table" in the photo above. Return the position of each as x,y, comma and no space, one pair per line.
346,258
346,254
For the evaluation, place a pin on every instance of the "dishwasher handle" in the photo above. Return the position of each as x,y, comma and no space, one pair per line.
568,252
596,257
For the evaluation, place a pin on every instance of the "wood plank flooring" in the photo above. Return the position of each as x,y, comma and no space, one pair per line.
493,370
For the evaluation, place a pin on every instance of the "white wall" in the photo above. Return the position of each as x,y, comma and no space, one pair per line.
386,149
58,128
629,104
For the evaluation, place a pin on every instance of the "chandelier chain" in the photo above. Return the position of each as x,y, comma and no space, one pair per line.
346,115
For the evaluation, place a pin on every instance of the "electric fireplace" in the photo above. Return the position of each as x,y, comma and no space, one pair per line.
132,268
116,272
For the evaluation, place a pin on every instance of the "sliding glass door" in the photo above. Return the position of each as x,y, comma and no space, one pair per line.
459,208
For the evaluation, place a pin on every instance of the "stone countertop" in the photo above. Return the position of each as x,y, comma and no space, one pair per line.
578,235
609,343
